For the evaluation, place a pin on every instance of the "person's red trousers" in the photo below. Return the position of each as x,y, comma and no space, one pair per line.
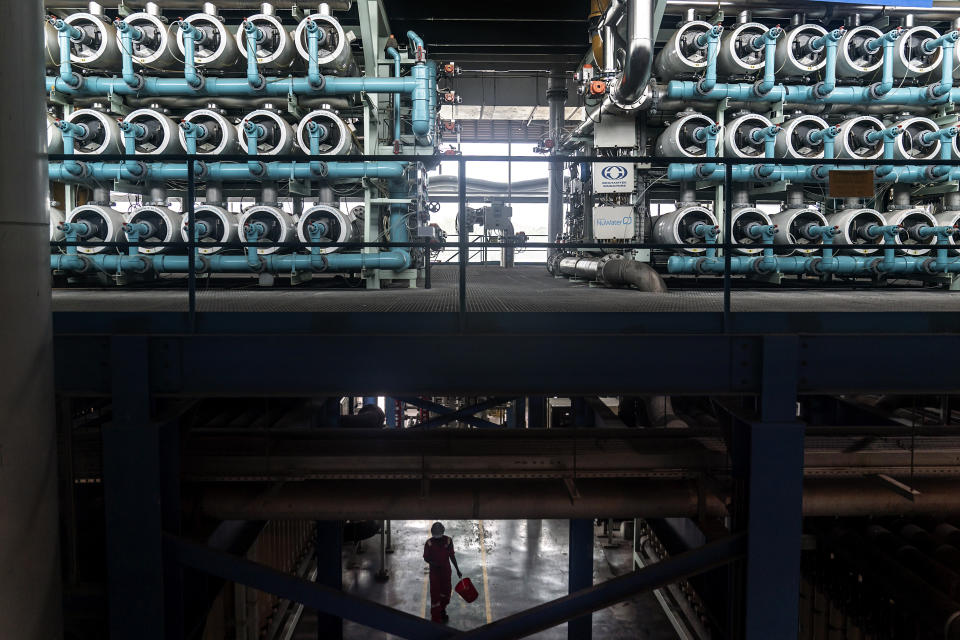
439,593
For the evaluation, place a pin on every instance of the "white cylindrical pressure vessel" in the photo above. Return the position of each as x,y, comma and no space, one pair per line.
57,218
742,219
341,226
54,136
737,140
909,145
106,225
677,227
51,45
338,140
279,139
681,55
794,141
99,49
161,135
907,238
157,48
852,222
101,132
220,135
218,50
276,50
852,142
792,223
334,52
911,59
280,226
737,56
853,58
950,218
223,227
795,57
164,222
678,138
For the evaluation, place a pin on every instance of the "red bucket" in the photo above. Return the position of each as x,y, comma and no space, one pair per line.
466,590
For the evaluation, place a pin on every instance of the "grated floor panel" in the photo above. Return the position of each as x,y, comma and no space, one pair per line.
525,288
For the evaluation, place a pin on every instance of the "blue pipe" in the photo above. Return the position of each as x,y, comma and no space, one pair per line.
395,260
768,136
830,41
253,35
432,91
225,172
417,47
886,81
317,133
828,136
769,42
708,135
128,35
191,38
254,132
888,136
71,168
393,53
948,42
314,37
65,33
235,87
711,40
422,123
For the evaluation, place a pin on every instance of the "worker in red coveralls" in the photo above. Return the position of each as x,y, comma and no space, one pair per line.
438,553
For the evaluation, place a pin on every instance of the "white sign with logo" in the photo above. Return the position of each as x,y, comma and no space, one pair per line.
612,177
613,223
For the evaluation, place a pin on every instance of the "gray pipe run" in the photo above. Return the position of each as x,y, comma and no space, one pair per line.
638,58
513,498
557,99
614,272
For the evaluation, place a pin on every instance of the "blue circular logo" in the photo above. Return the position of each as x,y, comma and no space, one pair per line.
614,172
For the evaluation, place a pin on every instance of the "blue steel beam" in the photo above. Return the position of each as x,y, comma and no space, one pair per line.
421,403
316,596
462,413
608,593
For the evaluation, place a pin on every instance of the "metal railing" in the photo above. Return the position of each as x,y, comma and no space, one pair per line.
197,163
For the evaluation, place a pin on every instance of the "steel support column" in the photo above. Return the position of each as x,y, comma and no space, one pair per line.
556,98
29,545
132,500
581,573
769,508
537,412
329,574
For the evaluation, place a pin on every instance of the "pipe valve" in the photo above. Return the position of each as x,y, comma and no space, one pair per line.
930,45
890,36
816,44
704,39
770,37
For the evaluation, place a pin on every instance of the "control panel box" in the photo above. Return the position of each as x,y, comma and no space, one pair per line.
613,177
613,223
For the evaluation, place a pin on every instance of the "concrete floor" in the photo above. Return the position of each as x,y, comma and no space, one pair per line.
515,565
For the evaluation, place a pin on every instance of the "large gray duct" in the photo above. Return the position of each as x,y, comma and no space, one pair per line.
29,542
638,57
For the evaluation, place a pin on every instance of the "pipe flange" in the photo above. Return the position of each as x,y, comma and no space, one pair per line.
86,262
260,84
202,85
138,82
85,170
698,266
326,264
201,170
813,266
874,90
261,167
756,172
759,269
319,85
700,88
323,171
261,265
142,170
146,262
701,173
204,264
758,91
876,267
818,91
929,266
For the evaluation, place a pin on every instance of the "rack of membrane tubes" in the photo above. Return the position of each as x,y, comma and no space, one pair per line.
274,106
788,103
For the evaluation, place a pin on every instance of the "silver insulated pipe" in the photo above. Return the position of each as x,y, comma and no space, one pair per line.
638,57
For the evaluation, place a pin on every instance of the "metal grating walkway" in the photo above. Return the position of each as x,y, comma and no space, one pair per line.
526,288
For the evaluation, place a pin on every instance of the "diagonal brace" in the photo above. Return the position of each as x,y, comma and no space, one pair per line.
463,413
613,591
422,403
310,594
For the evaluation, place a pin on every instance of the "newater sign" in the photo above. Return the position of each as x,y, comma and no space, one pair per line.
613,177
613,223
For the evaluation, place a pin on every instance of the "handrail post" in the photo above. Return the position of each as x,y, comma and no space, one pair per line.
464,238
